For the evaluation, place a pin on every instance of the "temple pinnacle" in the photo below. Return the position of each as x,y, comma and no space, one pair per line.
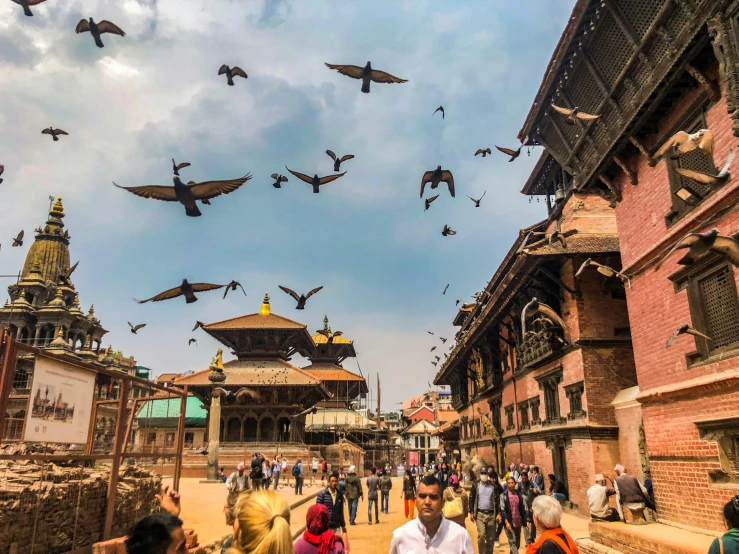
265,310
58,209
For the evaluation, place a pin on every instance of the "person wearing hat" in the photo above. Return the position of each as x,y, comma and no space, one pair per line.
318,538
484,498
353,493
236,484
598,496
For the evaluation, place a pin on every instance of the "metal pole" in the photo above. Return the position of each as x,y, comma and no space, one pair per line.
120,431
180,444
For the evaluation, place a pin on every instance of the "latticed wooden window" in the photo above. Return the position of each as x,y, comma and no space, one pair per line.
574,394
719,303
551,400
509,417
523,411
534,403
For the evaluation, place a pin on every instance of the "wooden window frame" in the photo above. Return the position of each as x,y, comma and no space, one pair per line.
574,394
688,279
510,425
535,403
523,412
725,433
549,384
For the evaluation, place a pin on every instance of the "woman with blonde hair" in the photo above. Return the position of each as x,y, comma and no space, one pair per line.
263,520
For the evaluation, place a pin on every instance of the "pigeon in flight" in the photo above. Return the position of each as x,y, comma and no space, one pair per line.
477,200
445,289
438,176
439,109
432,348
606,270
443,340
574,114
681,143
316,181
26,3
681,331
198,324
97,29
367,74
456,303
708,178
135,328
302,298
535,307
512,153
187,194
2,168
448,231
186,289
338,161
278,180
230,72
232,286
427,202
176,167
434,363
700,244
484,151
191,341
430,332
65,275
18,241
54,133
437,358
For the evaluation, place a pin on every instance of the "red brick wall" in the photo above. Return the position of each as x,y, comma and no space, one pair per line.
607,371
629,419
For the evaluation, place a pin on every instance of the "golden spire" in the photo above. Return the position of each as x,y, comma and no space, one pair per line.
58,209
92,310
76,301
36,265
266,310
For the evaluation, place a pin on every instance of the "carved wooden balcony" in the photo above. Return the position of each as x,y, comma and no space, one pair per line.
540,346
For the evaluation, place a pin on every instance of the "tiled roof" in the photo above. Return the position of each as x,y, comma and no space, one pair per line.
167,377
323,339
581,243
331,372
446,415
254,373
255,321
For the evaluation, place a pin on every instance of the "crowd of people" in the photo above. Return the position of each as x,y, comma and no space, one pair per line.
517,503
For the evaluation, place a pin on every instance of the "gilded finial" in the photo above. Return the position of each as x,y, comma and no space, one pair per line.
92,310
76,301
325,324
58,209
216,363
88,342
266,310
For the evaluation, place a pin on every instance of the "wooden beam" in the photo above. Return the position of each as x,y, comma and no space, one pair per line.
120,431
557,281
595,74
643,149
613,188
626,169
624,25
714,93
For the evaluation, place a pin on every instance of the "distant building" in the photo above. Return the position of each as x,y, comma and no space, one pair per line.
420,443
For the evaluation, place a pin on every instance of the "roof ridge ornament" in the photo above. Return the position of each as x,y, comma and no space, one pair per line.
266,309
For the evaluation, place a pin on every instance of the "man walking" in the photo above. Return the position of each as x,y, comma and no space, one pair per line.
430,533
353,493
483,507
298,474
598,501
386,483
373,482
333,499
236,484
526,488
256,472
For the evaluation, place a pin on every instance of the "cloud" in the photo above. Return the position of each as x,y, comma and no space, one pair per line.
273,13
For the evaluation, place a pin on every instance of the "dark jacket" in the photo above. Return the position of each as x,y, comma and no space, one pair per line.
560,488
629,489
505,508
409,489
335,511
443,477
353,487
527,492
256,469
386,483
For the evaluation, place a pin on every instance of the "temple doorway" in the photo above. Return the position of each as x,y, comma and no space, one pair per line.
250,429
283,429
267,429
233,430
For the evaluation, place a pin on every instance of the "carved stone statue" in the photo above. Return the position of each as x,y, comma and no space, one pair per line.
475,364
216,363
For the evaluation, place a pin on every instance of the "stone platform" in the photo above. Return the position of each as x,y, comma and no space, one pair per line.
655,538
230,454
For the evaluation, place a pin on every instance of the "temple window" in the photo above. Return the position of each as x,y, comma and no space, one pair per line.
151,438
169,439
509,418
549,384
523,411
534,405
725,432
495,407
574,394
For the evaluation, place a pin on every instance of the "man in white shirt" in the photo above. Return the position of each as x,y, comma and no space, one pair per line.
430,533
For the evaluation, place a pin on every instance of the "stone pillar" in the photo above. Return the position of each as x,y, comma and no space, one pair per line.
37,335
214,434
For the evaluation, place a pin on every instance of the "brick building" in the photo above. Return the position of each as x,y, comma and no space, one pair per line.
547,382
650,69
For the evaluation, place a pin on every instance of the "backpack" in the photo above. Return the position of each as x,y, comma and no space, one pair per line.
453,508
296,470
324,466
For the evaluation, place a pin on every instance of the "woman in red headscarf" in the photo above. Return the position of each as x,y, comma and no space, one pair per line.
318,538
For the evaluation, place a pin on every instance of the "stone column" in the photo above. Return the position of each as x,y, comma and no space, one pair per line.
214,434
37,335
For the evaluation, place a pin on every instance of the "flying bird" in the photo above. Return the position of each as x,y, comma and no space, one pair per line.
338,161
18,241
457,301
187,194
26,4
434,363
427,202
709,178
54,133
445,289
447,231
135,328
186,289
437,358
681,143
176,167
302,298
191,341
606,270
485,151
439,109
367,74
232,286
682,330
535,307
278,180
430,332
198,324
65,275
97,29
230,72
2,168
478,200
512,153
443,340
240,395
432,348
316,181
574,114
438,176
700,244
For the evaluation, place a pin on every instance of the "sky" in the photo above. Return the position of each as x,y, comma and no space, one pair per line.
155,94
